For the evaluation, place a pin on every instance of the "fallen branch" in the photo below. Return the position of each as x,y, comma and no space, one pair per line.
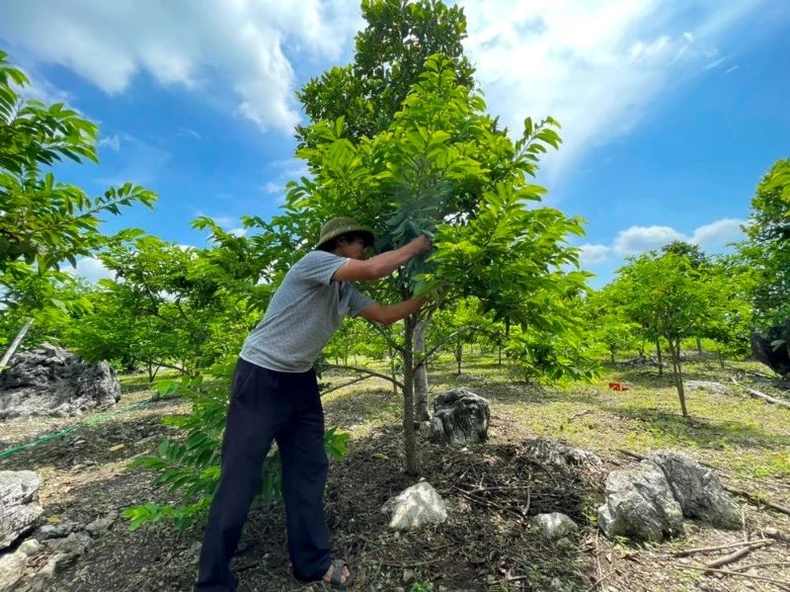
490,504
727,572
687,552
764,564
763,396
735,556
757,500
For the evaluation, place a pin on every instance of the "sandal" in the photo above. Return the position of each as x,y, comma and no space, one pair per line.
336,581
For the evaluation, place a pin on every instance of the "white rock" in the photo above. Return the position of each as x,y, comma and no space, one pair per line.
30,547
555,526
12,568
416,506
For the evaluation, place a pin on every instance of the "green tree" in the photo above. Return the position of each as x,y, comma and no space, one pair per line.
389,57
663,294
730,311
767,250
608,322
441,168
45,222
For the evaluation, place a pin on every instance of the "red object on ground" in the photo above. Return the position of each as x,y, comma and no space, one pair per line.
617,386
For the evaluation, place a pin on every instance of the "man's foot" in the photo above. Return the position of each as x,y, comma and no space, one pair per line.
342,578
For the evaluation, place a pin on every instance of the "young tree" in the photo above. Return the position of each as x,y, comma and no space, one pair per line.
698,262
608,322
441,168
664,295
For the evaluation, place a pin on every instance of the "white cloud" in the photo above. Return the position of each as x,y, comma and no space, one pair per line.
596,67
719,233
187,43
593,254
282,171
710,237
91,269
238,231
112,142
639,239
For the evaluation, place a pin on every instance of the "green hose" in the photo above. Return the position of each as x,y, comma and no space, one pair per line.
63,432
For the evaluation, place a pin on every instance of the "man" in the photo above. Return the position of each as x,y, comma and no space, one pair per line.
274,397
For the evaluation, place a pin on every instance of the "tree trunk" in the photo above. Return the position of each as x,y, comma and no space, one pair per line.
408,396
699,346
612,353
674,348
459,352
499,363
421,374
660,361
392,371
15,343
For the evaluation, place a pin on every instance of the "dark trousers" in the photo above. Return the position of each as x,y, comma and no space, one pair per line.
266,405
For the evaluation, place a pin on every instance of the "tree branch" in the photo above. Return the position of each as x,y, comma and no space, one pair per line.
370,373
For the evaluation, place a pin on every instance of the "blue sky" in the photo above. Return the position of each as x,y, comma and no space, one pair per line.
671,111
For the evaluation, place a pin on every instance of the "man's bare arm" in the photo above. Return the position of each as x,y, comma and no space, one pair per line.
386,315
381,265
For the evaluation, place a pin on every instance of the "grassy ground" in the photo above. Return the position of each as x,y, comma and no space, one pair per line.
480,548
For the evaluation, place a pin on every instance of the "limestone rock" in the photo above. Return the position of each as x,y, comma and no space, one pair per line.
460,417
52,381
708,386
12,568
639,504
698,490
561,453
555,526
415,507
19,507
30,547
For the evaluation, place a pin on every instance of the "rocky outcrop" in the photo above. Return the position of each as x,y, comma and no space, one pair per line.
52,381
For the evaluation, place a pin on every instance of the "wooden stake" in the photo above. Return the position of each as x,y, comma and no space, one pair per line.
15,343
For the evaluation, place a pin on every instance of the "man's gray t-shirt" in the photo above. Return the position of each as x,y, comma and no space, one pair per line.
303,315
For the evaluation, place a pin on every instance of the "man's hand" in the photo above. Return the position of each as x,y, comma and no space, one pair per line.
422,244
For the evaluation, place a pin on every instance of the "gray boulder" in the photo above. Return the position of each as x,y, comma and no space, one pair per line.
639,505
19,507
52,381
698,490
562,454
415,507
460,417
